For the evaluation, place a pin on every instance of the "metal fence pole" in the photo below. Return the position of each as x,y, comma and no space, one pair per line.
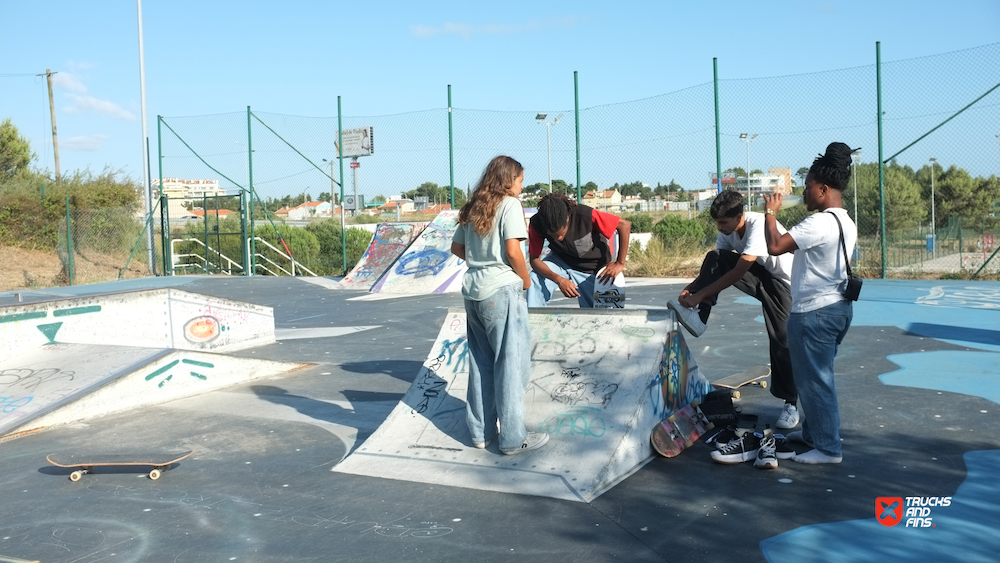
451,155
718,134
253,241
881,165
576,112
340,157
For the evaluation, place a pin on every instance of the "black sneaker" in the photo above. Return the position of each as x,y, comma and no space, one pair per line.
766,454
781,448
745,423
742,449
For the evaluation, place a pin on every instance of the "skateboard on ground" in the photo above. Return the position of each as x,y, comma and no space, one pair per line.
753,376
87,463
677,432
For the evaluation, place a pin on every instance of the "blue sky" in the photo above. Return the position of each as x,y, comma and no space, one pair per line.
385,58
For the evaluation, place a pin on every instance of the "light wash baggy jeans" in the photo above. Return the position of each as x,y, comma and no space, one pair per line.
813,339
500,343
543,289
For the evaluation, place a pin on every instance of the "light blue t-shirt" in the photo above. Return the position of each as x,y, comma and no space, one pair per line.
486,256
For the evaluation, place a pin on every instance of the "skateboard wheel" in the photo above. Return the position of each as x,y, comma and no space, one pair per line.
688,443
75,476
154,474
736,394
763,384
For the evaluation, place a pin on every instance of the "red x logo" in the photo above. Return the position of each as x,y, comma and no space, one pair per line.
889,510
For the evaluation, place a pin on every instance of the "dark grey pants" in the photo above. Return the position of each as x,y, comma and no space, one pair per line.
776,300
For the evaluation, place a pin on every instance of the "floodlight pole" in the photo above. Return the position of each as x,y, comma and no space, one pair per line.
747,137
548,140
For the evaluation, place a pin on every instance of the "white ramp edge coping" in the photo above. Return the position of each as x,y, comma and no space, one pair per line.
66,383
600,381
157,318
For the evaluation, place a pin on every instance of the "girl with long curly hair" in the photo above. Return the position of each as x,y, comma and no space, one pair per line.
491,228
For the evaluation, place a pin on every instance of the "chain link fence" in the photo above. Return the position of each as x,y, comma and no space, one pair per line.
935,213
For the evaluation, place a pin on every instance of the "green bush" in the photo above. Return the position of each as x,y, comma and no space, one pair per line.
330,260
33,206
674,230
641,222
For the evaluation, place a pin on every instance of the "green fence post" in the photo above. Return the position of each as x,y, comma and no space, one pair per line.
244,241
69,241
204,213
881,165
168,261
718,134
340,158
168,266
451,161
576,113
253,240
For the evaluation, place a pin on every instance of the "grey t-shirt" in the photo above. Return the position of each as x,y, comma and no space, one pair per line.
486,256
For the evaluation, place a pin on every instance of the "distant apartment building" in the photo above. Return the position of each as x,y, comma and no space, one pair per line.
188,189
777,180
603,199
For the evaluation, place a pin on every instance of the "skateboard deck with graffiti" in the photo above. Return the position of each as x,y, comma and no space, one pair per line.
609,295
679,431
86,463
754,376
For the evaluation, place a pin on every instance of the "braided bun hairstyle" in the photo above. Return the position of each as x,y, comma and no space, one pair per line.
834,167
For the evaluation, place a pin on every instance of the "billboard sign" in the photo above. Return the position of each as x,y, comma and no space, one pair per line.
353,203
357,142
727,177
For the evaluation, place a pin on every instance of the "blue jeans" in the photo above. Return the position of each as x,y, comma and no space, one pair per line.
541,289
813,339
500,343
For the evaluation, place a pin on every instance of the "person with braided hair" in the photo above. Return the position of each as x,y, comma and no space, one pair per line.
820,314
578,238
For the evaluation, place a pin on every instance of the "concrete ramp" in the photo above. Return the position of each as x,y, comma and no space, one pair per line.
57,363
427,266
158,318
387,245
600,381
65,383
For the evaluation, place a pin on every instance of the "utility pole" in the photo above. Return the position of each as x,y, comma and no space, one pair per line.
52,112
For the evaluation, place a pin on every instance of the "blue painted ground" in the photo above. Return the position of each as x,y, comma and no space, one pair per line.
961,313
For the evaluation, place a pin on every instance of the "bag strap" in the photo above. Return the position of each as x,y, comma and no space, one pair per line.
843,245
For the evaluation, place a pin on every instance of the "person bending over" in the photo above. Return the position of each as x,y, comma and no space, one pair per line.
578,238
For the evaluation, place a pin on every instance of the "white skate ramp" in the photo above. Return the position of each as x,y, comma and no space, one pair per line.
65,383
600,381
387,245
427,266
157,318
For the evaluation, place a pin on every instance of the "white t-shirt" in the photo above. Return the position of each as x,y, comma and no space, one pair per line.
819,272
753,243
486,256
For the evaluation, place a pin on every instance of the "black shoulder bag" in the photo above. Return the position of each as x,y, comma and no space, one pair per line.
853,288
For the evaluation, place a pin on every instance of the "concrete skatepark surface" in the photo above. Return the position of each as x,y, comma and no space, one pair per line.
917,379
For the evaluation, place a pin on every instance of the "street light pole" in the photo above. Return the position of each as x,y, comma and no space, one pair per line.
933,226
748,137
548,140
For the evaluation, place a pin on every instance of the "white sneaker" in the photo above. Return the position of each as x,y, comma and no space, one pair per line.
789,417
688,317
532,441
